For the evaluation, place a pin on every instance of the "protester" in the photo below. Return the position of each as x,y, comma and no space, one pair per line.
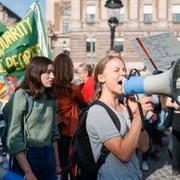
76,80
163,113
88,85
175,136
36,153
122,162
154,137
156,134
69,99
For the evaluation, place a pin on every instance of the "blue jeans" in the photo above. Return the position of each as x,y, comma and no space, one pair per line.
42,162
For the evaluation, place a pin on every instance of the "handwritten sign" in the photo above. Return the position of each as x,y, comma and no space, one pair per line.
163,49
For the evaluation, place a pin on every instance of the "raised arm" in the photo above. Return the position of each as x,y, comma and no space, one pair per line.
124,148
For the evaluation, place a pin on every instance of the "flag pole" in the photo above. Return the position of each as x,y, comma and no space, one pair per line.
147,54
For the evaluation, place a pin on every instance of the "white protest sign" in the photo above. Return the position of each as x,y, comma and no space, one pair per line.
162,49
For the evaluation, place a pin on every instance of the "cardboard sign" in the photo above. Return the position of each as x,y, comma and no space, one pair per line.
161,49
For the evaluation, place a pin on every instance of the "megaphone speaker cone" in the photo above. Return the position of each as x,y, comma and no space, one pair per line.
167,83
175,81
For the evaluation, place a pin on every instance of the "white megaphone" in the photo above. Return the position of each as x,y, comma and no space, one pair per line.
167,83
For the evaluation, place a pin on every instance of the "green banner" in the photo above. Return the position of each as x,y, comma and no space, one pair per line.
3,28
22,42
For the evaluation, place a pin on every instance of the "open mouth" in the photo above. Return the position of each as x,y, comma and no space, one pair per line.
120,82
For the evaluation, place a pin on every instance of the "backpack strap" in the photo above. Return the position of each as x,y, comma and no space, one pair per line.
111,113
115,119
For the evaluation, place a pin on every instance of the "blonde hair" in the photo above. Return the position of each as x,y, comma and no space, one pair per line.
99,70
87,67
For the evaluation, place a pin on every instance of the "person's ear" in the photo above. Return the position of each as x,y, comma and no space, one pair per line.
101,78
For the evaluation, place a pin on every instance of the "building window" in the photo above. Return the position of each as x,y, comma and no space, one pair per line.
176,13
119,44
121,15
66,11
90,14
65,27
178,39
148,17
90,45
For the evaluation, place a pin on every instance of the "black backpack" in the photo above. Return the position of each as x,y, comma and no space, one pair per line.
82,156
7,115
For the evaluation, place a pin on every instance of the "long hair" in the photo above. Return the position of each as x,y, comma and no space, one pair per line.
32,79
64,72
99,70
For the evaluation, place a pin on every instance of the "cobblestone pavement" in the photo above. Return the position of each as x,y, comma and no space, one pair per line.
161,169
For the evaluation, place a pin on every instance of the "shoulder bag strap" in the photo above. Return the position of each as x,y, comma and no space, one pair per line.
29,105
26,114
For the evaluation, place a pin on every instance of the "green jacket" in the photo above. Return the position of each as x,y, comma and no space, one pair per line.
41,127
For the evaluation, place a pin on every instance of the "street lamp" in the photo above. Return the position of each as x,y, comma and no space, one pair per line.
113,12
65,51
64,45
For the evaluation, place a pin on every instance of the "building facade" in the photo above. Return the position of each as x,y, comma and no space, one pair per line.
80,26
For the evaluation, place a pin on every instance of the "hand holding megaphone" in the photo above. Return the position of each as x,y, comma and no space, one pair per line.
167,83
146,103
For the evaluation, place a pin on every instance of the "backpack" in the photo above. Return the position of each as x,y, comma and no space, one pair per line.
7,115
82,156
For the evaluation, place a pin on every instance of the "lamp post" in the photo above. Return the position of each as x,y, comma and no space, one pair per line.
64,45
113,11
65,50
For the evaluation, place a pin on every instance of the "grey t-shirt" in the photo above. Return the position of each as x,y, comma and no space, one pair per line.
100,128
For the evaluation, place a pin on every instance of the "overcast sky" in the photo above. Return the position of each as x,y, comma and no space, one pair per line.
20,7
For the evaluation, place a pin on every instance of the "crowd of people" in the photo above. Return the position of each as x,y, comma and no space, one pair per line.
42,151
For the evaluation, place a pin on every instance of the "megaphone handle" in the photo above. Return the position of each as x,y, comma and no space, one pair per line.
141,115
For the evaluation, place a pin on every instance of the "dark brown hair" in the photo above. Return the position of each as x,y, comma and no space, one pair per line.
32,79
64,72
